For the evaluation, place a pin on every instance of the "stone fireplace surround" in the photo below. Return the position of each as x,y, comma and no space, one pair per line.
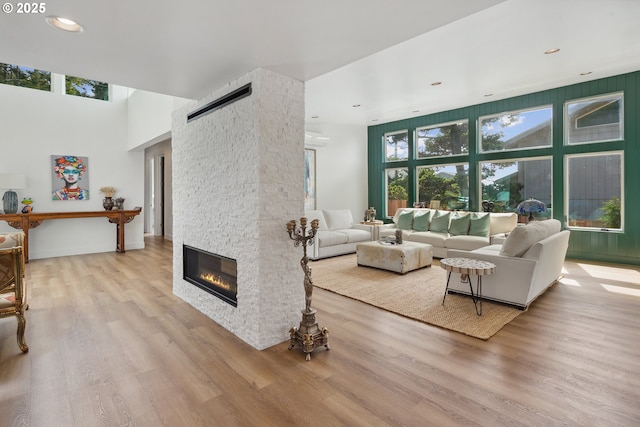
237,180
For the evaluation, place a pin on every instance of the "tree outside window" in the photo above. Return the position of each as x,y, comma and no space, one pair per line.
397,181
396,146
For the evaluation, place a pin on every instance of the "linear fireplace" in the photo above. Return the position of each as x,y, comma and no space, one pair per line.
212,273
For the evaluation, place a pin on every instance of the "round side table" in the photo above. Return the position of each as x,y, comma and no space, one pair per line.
468,267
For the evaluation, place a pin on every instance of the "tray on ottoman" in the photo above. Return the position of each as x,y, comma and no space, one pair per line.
401,258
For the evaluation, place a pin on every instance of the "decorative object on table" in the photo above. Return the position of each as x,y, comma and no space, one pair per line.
308,335
119,203
27,208
399,237
487,206
372,214
309,179
71,170
366,215
107,202
11,182
530,207
434,204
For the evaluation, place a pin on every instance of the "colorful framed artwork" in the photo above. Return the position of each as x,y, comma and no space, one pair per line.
70,179
309,179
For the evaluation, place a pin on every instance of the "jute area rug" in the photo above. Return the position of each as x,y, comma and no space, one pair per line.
417,295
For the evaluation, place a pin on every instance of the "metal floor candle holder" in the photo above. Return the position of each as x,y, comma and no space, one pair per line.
308,335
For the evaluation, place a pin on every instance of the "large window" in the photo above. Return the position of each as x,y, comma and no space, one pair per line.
509,182
448,184
595,119
397,181
516,130
396,146
17,75
594,190
443,140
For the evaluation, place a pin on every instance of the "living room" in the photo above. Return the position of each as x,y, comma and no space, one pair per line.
139,126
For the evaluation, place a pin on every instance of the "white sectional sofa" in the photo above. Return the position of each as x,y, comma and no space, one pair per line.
527,263
446,230
337,233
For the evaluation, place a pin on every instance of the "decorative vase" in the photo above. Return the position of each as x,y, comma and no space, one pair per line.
10,200
119,202
107,202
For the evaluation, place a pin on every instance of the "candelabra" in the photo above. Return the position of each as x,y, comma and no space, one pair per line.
308,335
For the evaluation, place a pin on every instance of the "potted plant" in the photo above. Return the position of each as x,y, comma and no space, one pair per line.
108,192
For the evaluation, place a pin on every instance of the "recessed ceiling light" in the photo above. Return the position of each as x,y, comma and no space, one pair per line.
550,51
64,24
436,83
374,120
586,73
314,117
488,94
416,111
355,105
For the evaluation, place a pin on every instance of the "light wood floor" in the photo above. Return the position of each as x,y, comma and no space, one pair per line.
110,345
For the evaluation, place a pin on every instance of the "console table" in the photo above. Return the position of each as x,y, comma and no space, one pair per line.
25,222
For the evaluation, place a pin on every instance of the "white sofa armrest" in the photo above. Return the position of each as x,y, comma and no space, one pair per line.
364,227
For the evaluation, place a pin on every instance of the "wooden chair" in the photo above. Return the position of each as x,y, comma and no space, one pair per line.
13,292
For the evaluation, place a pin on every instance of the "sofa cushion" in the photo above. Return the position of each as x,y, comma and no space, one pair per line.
338,219
332,238
466,243
355,235
421,220
315,214
502,222
479,224
440,222
523,237
437,240
459,225
9,240
405,220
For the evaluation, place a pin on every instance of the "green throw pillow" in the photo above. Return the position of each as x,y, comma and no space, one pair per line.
405,219
440,222
459,225
421,221
479,225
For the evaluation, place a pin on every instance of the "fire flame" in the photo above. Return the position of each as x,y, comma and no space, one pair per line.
217,281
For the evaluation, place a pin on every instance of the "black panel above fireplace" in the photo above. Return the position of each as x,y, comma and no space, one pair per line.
212,273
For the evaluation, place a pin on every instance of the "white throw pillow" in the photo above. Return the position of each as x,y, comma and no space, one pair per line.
338,219
523,237
315,214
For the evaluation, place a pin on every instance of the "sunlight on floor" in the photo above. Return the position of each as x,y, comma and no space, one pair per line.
621,290
569,282
621,274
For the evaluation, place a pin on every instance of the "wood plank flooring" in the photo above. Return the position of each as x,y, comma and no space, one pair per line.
110,345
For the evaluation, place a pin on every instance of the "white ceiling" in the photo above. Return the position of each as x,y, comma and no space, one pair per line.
381,54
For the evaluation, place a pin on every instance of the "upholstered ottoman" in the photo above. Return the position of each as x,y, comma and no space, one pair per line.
399,258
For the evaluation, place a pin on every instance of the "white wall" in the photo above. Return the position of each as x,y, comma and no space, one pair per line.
341,169
149,117
36,125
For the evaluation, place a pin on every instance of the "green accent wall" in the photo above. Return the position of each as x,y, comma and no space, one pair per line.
607,246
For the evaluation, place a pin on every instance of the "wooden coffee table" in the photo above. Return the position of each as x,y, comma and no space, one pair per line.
468,267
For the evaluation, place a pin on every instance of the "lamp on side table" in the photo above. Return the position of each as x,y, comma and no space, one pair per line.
11,182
